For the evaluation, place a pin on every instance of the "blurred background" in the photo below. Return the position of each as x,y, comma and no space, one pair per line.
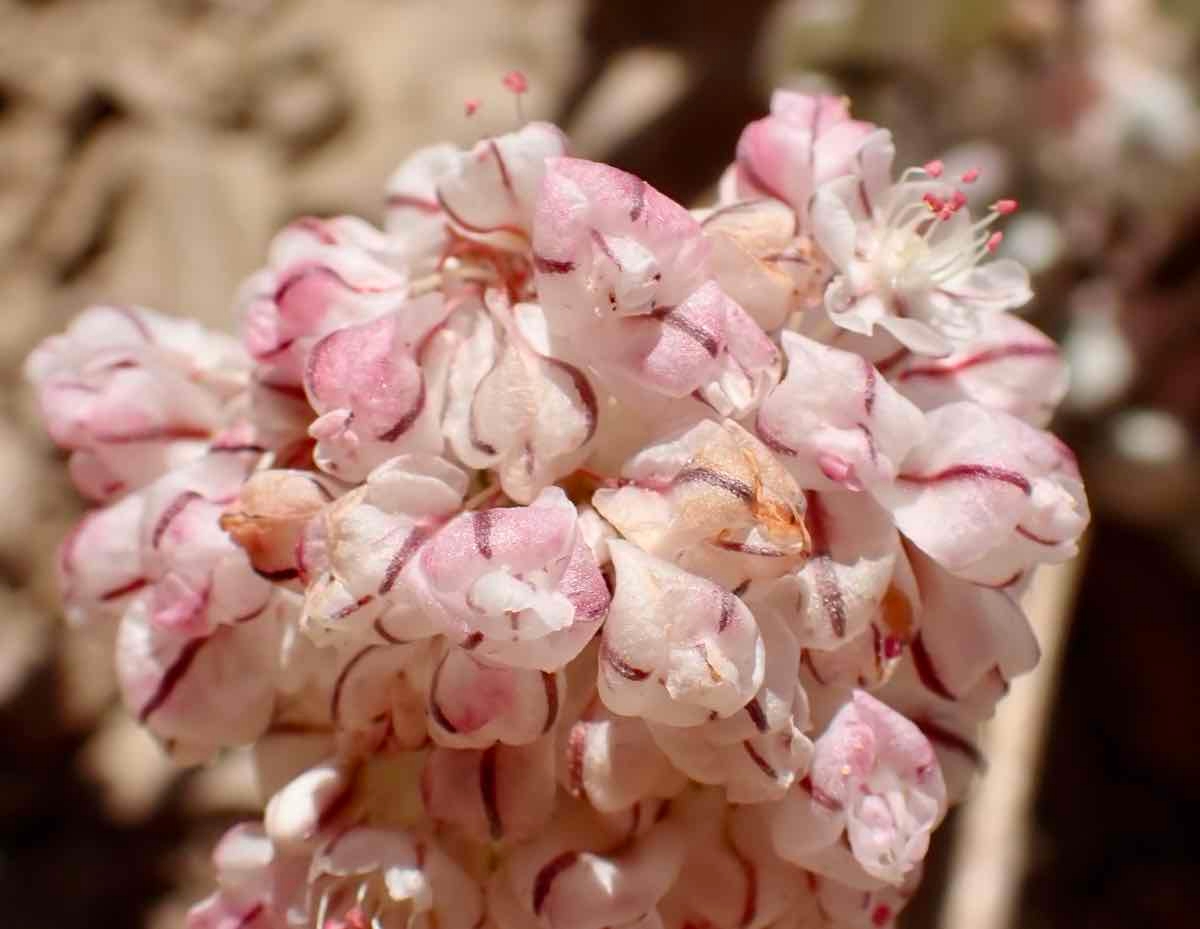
148,148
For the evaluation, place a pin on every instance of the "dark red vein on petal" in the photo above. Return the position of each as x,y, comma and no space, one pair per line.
622,667
487,792
704,475
118,592
987,356
406,421
482,524
755,712
701,336
335,700
833,604
760,761
544,882
553,265
926,671
587,396
952,741
869,390
972,472
505,178
408,201
416,538
550,685
172,676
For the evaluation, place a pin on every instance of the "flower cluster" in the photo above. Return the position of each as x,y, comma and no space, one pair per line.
571,559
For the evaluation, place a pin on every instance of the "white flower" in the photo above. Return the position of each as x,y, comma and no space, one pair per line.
909,257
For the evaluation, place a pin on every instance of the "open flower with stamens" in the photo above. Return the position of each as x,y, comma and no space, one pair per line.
910,259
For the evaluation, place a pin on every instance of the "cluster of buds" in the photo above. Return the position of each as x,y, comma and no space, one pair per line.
570,559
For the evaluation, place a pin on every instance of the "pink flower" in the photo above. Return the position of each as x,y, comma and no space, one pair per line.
510,404
713,500
498,793
988,496
400,877
490,192
841,589
321,275
100,563
199,693
473,703
553,881
756,755
834,421
516,585
969,633
859,909
355,553
875,776
377,695
805,142
133,394
731,875
676,647
196,577
612,762
1009,366
371,396
757,258
259,886
621,276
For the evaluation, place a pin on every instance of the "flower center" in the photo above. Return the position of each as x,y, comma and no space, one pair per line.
925,236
